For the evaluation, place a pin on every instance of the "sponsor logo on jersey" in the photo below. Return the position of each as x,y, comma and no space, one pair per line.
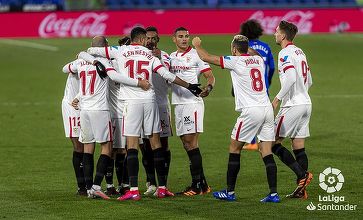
227,58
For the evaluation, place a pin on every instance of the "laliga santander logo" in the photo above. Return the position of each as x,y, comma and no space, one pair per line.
331,180
87,24
300,18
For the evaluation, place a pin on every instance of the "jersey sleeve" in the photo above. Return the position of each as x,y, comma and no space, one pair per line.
165,60
228,62
108,52
71,67
284,62
162,71
202,66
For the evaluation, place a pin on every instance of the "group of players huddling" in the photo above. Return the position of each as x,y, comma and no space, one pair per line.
117,96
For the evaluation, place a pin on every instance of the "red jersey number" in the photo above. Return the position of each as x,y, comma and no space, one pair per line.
141,72
257,83
84,76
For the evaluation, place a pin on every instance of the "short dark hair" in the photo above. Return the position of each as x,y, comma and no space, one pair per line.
124,41
152,28
240,42
137,32
251,29
180,29
289,29
99,41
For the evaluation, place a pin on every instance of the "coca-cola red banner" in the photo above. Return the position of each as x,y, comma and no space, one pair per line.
86,24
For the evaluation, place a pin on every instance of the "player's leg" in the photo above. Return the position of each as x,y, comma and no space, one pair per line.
284,126
152,128
120,157
71,122
166,132
102,128
132,168
298,146
133,119
148,163
110,188
266,135
298,140
233,169
77,161
88,164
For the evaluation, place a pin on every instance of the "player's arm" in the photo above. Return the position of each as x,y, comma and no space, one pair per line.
160,69
310,79
108,52
287,79
203,54
70,67
271,66
113,74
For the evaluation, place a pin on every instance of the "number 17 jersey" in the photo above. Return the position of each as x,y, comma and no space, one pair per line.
248,79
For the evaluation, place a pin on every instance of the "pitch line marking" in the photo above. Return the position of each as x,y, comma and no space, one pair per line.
29,44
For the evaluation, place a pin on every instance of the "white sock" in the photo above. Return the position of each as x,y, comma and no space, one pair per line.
134,188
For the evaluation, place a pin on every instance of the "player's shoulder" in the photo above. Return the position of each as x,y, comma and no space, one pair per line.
116,48
163,53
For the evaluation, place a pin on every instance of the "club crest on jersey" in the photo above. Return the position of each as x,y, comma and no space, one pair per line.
189,59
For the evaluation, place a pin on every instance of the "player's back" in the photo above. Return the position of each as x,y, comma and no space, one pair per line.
114,92
72,87
139,63
248,80
293,57
93,89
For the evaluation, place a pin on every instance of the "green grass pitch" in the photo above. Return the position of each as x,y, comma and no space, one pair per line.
36,174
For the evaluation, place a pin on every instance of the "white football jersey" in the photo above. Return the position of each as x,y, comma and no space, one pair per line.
93,89
248,79
114,92
160,84
293,57
138,63
188,67
72,86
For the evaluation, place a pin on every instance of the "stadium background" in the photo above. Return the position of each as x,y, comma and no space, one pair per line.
36,176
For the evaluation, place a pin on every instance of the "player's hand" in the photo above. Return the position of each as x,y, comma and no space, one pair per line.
75,104
194,88
197,42
206,90
144,84
275,103
156,52
101,69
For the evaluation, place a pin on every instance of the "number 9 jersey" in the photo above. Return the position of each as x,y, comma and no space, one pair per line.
248,79
292,60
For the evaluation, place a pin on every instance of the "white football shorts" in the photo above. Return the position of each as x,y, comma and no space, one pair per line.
254,121
71,120
140,117
189,118
293,121
165,121
95,127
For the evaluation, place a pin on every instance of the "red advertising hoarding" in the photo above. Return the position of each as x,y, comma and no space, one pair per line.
86,24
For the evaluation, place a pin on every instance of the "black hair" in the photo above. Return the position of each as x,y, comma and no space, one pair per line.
180,29
137,33
251,29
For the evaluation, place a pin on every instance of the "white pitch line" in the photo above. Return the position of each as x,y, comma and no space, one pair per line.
29,44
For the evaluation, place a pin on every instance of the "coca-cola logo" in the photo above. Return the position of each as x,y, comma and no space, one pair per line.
300,18
86,25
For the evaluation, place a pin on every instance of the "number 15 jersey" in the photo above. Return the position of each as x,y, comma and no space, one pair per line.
248,79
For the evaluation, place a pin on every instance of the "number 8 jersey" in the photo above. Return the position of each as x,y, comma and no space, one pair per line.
292,60
248,79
